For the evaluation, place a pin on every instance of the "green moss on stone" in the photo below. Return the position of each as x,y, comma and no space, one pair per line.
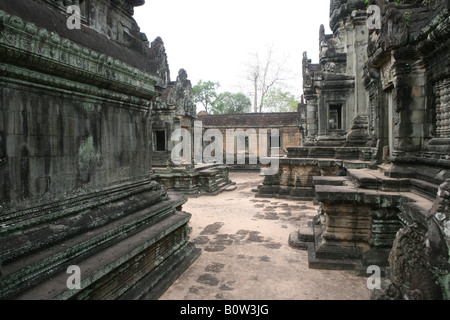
88,158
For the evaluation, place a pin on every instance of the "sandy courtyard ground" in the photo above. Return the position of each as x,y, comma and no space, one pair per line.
246,255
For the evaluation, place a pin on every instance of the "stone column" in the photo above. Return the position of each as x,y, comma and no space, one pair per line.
443,109
311,116
359,40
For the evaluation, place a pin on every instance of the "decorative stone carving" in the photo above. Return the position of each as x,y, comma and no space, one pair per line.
75,161
159,61
443,108
409,266
183,95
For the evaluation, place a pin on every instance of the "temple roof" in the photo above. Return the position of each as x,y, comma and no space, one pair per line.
250,120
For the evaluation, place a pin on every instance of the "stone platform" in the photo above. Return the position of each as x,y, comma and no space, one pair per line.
360,216
195,180
294,179
130,241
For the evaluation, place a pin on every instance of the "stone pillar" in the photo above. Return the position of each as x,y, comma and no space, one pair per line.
408,102
443,108
359,39
357,57
311,117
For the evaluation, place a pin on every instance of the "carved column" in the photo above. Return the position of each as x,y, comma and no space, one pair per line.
443,108
359,18
311,120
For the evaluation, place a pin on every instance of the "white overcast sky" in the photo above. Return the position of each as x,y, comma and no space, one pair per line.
216,39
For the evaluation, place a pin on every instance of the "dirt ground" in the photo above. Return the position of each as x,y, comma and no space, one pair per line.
246,255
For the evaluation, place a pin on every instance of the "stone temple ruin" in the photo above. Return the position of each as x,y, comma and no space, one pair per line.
377,148
87,180
77,187
174,110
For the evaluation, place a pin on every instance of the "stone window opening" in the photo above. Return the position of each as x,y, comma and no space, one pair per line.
160,141
335,117
280,141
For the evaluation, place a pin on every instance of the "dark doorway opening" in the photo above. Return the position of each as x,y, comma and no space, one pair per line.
160,139
335,117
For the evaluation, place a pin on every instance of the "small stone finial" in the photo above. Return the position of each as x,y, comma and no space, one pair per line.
157,41
322,32
182,75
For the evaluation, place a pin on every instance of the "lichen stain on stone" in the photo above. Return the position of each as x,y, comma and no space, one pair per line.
25,171
88,158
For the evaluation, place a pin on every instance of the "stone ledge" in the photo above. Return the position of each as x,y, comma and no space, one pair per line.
47,52
341,153
38,227
387,211
383,180
329,181
331,264
100,270
73,247
194,180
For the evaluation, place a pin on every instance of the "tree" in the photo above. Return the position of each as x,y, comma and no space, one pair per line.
230,103
277,100
265,75
205,93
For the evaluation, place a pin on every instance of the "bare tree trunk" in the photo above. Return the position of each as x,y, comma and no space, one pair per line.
255,103
264,78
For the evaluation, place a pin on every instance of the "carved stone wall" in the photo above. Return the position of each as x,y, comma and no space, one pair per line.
334,88
395,214
442,88
75,159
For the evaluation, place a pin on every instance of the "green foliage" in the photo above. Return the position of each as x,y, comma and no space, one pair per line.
231,103
205,93
277,100
407,16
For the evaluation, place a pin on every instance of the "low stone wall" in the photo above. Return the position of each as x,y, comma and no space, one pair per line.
190,180
295,176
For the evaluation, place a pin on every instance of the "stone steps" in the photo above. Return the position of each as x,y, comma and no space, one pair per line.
348,190
364,212
111,272
373,179
20,217
203,179
36,255
27,230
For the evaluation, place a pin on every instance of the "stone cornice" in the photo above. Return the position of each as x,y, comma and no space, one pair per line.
33,79
436,34
24,44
